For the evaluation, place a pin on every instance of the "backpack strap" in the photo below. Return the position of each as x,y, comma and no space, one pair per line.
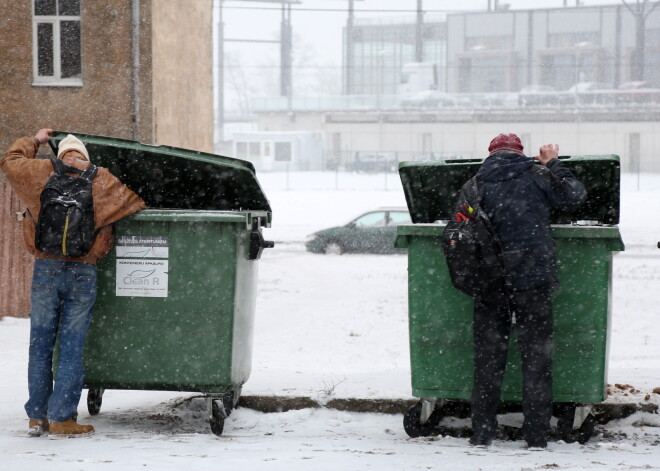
58,166
469,202
474,199
472,193
88,174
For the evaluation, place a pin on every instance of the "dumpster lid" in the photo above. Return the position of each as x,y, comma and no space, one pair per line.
173,178
431,188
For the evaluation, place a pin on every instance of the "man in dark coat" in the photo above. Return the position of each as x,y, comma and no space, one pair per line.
518,195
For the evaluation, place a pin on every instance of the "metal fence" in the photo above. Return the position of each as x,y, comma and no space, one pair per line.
450,102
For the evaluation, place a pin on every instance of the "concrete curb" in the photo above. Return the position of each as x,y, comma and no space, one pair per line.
604,411
285,404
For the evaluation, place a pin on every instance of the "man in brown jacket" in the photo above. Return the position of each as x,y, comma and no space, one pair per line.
63,288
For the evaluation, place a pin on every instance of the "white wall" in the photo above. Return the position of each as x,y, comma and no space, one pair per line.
471,139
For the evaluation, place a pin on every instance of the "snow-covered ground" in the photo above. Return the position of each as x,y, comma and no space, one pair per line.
336,327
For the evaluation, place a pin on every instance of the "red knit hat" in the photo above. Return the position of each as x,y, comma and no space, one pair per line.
508,142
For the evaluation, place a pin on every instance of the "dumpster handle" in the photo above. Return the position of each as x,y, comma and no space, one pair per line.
258,244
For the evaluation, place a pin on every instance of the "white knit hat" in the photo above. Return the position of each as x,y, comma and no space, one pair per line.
71,142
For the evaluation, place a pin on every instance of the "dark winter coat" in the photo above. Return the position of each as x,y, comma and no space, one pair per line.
518,195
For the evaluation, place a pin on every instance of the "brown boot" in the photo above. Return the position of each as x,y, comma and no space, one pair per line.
69,429
36,427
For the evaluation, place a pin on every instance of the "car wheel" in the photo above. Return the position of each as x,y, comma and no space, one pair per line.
333,248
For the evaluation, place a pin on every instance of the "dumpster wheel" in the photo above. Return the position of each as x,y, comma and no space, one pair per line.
412,418
566,429
94,400
217,416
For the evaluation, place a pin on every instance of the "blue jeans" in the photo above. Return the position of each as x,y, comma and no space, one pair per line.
63,295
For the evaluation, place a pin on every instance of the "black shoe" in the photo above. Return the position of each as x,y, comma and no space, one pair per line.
540,444
480,441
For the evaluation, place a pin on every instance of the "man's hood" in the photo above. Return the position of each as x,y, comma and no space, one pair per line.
503,166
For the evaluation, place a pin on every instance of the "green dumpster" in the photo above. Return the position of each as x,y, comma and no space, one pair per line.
176,295
440,317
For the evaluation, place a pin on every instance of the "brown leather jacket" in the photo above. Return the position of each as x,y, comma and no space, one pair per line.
112,199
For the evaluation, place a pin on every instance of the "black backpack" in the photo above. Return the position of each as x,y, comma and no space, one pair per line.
471,246
66,218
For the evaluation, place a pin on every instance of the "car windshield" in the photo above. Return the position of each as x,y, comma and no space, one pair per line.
376,219
399,217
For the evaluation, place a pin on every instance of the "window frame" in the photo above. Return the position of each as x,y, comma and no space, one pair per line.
56,20
395,221
382,222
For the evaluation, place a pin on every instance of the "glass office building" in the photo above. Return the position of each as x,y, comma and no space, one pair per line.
382,46
507,50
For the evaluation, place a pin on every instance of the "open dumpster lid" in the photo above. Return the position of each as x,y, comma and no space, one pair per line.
431,188
173,178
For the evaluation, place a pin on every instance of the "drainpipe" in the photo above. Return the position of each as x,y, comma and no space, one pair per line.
218,76
135,67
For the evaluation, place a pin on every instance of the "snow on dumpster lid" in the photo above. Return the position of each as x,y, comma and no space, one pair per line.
431,188
173,178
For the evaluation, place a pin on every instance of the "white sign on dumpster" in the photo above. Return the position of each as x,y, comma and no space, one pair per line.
138,273
142,247
142,278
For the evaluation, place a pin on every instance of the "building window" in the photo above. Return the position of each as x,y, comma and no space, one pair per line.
486,73
56,42
482,43
570,40
562,69
282,152
254,150
241,150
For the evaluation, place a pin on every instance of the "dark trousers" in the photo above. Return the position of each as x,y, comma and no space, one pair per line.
491,326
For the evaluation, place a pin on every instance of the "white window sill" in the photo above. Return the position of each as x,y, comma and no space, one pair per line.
77,83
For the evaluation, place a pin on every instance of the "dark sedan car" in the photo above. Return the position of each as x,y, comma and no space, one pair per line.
372,232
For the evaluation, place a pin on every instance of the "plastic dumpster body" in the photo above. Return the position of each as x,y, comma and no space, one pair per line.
176,295
440,317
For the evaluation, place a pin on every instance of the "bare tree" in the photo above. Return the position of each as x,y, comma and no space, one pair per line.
311,75
640,12
237,81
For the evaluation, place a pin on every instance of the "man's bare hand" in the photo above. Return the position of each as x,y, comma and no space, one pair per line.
43,135
547,153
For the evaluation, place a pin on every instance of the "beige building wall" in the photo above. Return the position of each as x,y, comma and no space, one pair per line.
15,262
102,105
182,73
164,90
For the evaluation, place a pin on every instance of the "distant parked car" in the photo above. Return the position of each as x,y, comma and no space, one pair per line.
636,85
375,162
581,87
435,156
428,99
537,95
372,232
637,93
588,94
536,89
